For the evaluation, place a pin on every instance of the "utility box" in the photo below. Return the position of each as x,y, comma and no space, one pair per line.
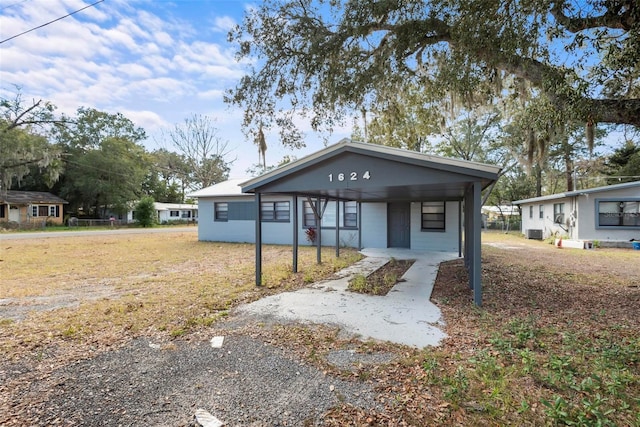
533,233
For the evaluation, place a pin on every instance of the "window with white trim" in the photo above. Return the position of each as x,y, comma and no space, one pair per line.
45,211
558,213
174,214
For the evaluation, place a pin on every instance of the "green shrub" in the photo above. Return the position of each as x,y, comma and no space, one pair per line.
145,212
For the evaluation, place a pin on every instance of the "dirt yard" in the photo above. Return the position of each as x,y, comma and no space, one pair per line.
117,333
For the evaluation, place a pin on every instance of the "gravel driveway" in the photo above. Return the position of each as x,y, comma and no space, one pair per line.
245,382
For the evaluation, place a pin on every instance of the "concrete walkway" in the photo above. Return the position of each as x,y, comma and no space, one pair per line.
404,316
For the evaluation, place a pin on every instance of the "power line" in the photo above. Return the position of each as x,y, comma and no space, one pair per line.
51,22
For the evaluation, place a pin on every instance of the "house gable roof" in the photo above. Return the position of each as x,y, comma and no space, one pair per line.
230,187
173,206
564,195
368,172
31,197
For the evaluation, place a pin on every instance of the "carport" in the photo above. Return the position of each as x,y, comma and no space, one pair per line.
361,172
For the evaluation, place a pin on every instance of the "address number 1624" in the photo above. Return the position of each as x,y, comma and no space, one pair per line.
351,176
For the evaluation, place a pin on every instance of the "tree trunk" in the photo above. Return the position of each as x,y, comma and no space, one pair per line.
568,168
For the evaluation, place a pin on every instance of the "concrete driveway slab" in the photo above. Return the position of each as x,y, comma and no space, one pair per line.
404,316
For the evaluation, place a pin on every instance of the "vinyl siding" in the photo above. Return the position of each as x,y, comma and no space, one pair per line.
374,225
586,224
445,241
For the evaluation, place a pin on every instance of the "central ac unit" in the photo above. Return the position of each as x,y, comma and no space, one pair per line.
533,233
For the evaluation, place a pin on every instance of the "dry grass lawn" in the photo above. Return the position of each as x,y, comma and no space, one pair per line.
557,341
93,291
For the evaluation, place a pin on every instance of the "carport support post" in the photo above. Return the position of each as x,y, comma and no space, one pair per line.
337,228
359,208
468,216
476,228
258,241
295,233
459,228
319,231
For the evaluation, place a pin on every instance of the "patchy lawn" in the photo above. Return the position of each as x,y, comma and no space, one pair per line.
557,341
87,292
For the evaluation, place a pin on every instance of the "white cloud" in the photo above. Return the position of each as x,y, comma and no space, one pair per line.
211,94
148,120
162,89
155,62
223,24
164,38
135,70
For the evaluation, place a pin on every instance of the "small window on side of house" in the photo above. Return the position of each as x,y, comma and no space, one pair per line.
221,211
558,213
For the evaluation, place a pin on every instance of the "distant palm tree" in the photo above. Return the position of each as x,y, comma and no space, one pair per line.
262,148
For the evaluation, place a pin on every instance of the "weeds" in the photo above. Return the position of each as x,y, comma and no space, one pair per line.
576,379
382,280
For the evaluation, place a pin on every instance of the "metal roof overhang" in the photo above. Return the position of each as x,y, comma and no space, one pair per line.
367,172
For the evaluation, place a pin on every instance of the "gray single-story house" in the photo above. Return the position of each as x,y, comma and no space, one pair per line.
609,214
359,195
228,215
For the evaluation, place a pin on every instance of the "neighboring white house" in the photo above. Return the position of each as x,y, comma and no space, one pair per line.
165,212
500,217
501,212
168,212
610,214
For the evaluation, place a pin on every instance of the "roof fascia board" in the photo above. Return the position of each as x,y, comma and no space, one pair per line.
484,171
568,194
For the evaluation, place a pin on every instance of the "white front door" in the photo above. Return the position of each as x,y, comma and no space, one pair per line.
14,213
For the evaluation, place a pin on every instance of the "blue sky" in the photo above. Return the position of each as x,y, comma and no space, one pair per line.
156,62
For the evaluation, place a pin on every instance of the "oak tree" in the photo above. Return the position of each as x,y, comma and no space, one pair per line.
329,58
25,130
106,163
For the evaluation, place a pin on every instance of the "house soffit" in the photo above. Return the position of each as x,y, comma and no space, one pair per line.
354,173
